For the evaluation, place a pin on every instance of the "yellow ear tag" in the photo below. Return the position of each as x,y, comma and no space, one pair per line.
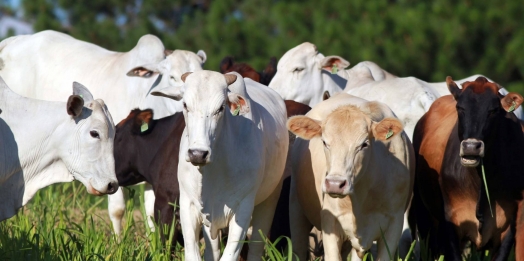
144,127
389,134
236,111
513,105
334,69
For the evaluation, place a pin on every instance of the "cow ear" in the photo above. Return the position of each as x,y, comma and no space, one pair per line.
304,127
202,55
75,104
83,92
176,93
149,70
237,104
511,101
333,63
453,88
167,52
226,63
386,129
142,120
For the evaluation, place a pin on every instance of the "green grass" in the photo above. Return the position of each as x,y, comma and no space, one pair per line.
63,222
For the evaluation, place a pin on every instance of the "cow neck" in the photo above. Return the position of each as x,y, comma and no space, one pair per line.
37,164
504,155
333,83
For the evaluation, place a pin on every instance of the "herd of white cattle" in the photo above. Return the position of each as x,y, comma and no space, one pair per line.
352,180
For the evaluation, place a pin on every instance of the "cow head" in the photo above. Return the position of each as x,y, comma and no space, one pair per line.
86,148
478,107
138,123
209,99
170,69
304,74
352,141
245,70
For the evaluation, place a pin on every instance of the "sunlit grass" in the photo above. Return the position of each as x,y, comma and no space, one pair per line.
63,222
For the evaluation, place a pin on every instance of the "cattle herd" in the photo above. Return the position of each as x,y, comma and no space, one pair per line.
377,159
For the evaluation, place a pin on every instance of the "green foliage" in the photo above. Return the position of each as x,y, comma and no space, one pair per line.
428,40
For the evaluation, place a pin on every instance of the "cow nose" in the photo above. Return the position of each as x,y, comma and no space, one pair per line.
198,157
336,187
112,187
472,147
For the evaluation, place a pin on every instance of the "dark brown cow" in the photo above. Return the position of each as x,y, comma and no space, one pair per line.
150,154
264,77
461,134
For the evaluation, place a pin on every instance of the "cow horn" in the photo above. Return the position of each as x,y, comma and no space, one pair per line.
230,78
184,76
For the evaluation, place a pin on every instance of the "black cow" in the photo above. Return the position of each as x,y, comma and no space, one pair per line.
462,134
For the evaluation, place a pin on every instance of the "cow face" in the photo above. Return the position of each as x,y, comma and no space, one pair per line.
128,131
170,69
86,143
207,102
478,107
299,74
351,143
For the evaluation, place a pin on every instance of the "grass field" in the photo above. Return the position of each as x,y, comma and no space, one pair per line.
64,222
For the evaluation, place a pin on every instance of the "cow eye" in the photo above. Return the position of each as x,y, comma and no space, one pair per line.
364,145
94,134
325,144
173,78
298,69
221,109
185,106
148,74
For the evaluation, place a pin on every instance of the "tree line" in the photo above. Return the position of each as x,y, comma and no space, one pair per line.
425,39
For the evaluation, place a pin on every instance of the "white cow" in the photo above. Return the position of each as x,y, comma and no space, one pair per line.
232,158
304,75
43,142
353,174
44,64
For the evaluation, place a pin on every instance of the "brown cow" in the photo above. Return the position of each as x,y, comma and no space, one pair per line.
460,135
264,77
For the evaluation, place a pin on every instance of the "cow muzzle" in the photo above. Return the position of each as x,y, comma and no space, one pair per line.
110,188
471,151
198,157
336,187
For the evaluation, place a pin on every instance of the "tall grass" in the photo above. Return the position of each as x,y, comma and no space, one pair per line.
63,222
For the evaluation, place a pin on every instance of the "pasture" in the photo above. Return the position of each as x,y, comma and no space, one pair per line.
64,222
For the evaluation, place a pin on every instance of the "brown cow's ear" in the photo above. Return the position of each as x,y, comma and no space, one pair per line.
453,88
511,101
225,64
75,104
304,127
386,129
142,120
167,52
237,104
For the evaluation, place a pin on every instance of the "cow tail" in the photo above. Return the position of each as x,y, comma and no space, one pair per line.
519,234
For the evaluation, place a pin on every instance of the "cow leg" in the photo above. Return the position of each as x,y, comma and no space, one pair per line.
332,240
261,220
390,238
149,202
212,251
237,229
451,242
519,234
116,207
191,225
299,225
481,203
507,243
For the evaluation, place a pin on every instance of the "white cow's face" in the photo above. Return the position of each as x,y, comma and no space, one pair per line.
300,76
170,70
86,145
207,104
351,145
